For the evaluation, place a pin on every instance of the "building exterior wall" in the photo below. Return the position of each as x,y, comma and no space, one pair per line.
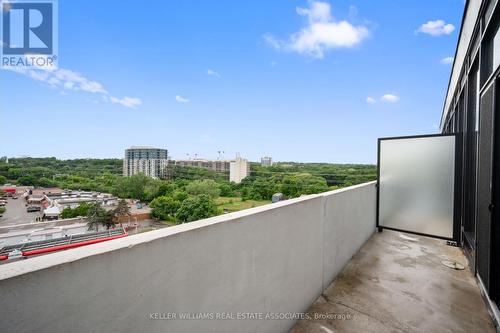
470,18
239,170
276,258
266,161
472,101
215,165
133,218
149,161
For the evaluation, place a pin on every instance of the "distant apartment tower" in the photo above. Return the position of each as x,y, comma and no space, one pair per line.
239,169
147,160
266,161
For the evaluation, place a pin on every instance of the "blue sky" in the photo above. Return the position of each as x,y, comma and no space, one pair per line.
297,80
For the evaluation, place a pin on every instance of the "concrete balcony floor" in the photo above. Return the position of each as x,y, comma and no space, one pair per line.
398,285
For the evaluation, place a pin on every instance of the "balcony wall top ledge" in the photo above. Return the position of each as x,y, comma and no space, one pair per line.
11,270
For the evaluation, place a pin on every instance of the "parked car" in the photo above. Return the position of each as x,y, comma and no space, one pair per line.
32,209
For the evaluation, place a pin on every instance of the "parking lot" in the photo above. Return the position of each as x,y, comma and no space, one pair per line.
16,213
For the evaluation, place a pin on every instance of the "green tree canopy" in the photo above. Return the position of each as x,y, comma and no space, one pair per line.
80,210
196,208
165,208
206,186
295,185
97,215
122,209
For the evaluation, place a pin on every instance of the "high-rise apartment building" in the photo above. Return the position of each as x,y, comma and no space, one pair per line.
266,161
147,160
239,169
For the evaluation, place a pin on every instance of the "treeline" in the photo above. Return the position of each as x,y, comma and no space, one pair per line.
49,171
104,175
187,193
340,175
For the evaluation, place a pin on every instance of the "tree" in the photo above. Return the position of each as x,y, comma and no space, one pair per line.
166,188
295,185
205,186
81,210
180,195
196,208
27,180
261,188
132,187
121,210
164,208
2,210
226,189
3,180
97,215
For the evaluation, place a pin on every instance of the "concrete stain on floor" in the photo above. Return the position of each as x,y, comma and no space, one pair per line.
394,284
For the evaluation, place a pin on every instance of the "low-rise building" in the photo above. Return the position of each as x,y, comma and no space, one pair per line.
54,201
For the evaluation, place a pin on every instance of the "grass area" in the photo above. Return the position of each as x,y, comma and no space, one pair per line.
235,204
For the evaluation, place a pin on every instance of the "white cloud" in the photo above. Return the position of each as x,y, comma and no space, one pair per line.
436,28
317,12
129,102
447,60
321,34
211,72
181,99
68,80
389,98
370,100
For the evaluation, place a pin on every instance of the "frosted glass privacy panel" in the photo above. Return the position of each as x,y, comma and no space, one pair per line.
417,184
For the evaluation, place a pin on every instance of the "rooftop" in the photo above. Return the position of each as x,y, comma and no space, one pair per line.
398,283
143,147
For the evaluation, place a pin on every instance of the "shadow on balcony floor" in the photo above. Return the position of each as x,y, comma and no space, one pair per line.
395,284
